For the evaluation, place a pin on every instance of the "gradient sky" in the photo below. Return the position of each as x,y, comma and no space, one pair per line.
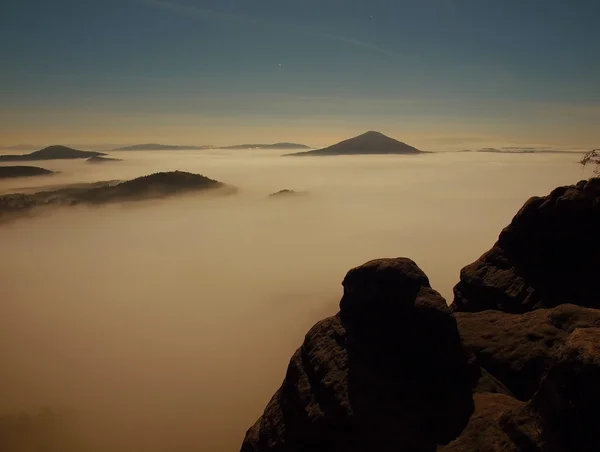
434,73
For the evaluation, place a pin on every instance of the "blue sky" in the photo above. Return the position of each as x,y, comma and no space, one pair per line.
431,72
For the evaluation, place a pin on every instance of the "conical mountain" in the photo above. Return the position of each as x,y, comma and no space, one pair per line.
369,143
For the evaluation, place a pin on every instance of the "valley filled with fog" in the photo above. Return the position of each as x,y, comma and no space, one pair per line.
168,325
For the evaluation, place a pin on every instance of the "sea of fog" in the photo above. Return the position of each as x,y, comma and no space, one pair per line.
168,325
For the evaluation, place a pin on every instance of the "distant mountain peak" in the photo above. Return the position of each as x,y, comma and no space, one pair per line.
374,133
369,143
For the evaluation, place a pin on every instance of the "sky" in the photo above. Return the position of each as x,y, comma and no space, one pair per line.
433,73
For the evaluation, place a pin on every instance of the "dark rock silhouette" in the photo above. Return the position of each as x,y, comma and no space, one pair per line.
561,416
529,324
483,433
102,160
7,172
369,143
55,152
546,347
547,256
154,186
387,373
567,402
518,349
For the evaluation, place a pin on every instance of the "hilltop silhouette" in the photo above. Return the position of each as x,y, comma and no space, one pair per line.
290,146
154,186
159,147
99,159
7,172
170,147
56,152
369,143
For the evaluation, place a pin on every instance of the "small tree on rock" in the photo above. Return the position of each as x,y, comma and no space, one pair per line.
592,158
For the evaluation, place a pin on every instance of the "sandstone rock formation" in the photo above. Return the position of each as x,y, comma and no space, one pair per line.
561,416
519,349
567,402
483,433
547,256
548,358
387,373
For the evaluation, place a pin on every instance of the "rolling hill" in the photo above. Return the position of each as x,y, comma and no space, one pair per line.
7,172
55,152
283,146
159,147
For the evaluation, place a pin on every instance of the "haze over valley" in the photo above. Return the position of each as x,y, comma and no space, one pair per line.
167,324
299,226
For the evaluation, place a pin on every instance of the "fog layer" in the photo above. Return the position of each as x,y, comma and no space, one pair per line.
168,325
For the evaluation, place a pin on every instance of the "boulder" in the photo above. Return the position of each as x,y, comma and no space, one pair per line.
483,432
547,256
387,373
561,416
517,349
568,399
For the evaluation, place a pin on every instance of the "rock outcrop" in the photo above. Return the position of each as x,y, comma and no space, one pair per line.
545,347
547,256
560,417
567,402
387,373
517,349
483,433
